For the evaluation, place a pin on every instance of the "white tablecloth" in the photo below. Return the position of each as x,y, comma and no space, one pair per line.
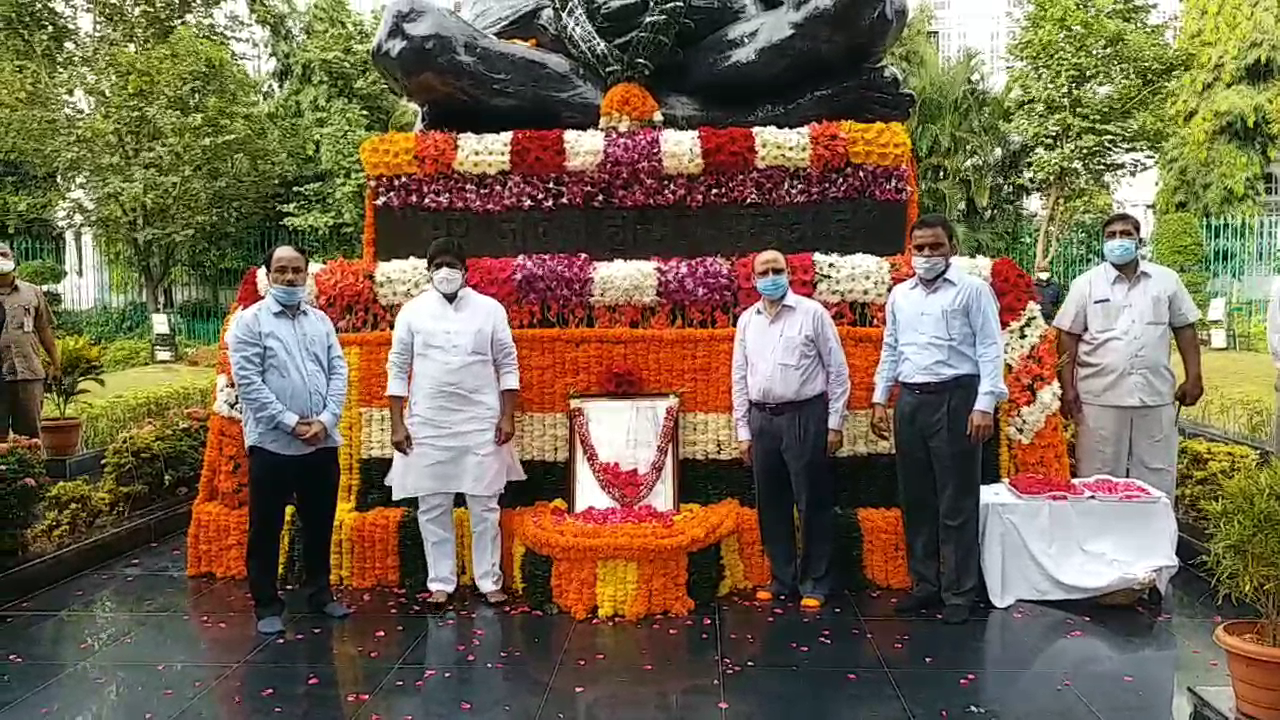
1057,550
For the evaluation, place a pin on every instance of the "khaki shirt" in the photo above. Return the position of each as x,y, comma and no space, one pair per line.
1125,333
25,312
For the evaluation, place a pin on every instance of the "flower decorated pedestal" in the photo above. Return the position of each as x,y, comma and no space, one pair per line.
632,249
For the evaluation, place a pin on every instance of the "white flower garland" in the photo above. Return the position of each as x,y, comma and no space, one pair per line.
977,265
483,154
782,147
851,278
681,152
396,282
583,150
226,399
1027,421
375,433
624,282
1024,334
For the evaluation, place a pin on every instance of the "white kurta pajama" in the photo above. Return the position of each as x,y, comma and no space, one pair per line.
452,361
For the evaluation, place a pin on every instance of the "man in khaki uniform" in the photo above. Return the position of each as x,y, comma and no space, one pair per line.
1117,380
28,326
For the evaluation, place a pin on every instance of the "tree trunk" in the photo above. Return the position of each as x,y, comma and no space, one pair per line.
1046,237
151,287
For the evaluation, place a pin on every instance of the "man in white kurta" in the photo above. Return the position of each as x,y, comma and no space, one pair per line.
453,358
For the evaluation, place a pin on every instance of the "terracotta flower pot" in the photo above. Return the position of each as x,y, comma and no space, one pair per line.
61,438
1254,668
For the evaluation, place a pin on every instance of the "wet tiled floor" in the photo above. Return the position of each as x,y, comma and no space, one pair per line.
137,639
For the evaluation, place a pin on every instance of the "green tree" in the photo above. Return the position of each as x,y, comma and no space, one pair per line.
36,40
175,147
969,165
1225,108
328,100
1089,110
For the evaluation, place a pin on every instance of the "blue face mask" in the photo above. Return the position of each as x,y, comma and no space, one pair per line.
1120,251
773,287
287,295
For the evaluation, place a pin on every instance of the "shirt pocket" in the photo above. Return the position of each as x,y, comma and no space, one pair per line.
935,323
796,350
1158,312
1101,317
482,342
20,318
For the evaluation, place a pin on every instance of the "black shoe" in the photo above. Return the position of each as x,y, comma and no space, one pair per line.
916,604
955,614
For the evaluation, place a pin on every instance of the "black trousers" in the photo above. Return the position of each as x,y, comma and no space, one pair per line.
939,476
311,481
793,473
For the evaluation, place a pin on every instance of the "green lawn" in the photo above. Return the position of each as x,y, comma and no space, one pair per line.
1239,392
147,376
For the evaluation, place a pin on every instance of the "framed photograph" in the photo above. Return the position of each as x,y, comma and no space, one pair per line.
632,444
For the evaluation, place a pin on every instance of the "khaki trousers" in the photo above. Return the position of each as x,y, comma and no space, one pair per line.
1130,442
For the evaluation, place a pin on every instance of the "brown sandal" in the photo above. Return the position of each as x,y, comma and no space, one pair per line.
438,598
497,597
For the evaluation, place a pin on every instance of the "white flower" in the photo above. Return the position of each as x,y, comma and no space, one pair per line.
781,147
1029,420
396,282
681,152
483,154
226,399
857,278
375,433
1023,334
542,437
583,149
624,282
977,266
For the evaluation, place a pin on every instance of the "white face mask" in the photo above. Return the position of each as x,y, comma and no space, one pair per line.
448,281
928,268
7,265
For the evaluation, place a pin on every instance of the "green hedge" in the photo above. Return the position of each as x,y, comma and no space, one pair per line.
1203,467
1178,244
107,419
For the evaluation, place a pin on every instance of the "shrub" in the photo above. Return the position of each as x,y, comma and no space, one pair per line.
1244,544
106,420
1203,467
81,364
126,353
163,456
41,272
21,481
104,324
71,509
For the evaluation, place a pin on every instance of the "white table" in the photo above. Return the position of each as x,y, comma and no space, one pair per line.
1059,550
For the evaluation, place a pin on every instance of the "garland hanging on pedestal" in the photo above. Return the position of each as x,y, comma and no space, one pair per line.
629,487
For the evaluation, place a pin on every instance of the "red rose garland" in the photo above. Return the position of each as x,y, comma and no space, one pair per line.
625,487
1013,289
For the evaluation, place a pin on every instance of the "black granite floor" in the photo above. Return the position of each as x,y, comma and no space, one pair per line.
137,639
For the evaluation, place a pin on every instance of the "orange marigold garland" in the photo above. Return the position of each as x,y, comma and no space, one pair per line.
884,548
627,105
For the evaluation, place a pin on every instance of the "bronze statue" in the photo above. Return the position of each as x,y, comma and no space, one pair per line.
541,64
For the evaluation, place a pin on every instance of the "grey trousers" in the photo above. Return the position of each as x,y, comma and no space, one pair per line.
793,476
939,476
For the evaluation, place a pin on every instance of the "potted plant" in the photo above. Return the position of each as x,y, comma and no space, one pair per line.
81,365
1244,558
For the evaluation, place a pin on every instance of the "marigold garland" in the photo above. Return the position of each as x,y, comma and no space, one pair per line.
628,105
884,548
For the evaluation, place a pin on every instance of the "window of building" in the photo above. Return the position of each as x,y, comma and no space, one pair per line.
1271,184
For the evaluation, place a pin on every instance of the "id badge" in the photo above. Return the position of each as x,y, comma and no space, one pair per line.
28,323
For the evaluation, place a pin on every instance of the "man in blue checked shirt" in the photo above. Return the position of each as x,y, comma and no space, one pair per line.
943,349
292,378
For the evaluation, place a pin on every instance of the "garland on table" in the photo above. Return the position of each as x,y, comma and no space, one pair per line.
628,487
822,147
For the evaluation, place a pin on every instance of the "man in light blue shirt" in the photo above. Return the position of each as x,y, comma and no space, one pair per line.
943,349
292,379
